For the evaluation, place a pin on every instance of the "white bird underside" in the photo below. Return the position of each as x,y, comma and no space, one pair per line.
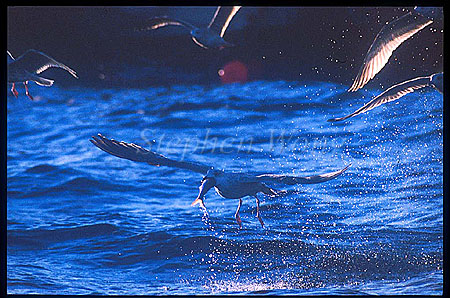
391,36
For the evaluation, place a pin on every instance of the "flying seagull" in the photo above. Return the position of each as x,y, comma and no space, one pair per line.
395,92
209,37
391,36
28,67
230,185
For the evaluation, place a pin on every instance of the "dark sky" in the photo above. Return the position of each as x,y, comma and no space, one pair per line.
273,43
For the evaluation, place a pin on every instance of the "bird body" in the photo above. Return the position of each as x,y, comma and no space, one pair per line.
231,185
28,66
234,186
21,76
206,38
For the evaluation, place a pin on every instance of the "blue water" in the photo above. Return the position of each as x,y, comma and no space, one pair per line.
81,221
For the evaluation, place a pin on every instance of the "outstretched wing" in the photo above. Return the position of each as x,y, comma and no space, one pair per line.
36,62
222,18
292,180
388,39
391,94
134,152
9,57
158,22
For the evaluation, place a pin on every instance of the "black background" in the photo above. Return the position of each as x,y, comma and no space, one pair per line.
289,43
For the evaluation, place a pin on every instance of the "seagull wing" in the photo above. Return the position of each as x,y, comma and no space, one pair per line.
292,180
391,36
159,22
222,18
36,62
9,57
391,94
134,152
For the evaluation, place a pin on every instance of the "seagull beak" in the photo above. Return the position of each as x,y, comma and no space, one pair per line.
207,184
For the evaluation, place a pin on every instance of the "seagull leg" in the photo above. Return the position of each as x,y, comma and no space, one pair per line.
14,91
257,212
26,90
202,205
238,218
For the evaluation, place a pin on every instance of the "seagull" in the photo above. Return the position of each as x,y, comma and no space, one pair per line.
391,36
395,92
230,185
209,37
28,67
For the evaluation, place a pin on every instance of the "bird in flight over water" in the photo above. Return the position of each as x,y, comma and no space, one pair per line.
28,67
391,36
395,92
230,185
210,37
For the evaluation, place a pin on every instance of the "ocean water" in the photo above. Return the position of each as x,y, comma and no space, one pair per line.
81,221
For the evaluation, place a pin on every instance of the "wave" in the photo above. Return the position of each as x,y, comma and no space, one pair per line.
83,218
41,237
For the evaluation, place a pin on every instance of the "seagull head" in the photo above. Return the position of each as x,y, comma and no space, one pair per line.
208,182
434,13
196,31
438,81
